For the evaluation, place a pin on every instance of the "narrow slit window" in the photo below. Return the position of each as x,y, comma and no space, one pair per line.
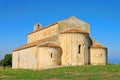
101,55
51,55
79,49
18,60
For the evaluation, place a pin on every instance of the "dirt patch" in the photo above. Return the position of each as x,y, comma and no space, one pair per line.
1,77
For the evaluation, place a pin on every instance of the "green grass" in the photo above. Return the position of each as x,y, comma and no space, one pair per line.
109,72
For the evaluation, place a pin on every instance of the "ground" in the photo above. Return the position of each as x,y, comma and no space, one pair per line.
109,72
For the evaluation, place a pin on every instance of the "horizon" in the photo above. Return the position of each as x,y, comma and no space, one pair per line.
17,19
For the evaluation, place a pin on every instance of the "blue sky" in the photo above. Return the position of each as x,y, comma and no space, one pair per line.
17,18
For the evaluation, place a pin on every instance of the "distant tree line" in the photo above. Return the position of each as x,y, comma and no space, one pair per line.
6,61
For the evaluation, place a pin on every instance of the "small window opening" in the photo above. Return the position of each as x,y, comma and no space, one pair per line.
79,49
51,55
18,60
101,55
38,25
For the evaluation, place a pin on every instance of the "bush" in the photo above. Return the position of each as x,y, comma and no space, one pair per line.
6,61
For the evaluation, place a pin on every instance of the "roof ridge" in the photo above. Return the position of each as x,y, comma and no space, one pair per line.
73,19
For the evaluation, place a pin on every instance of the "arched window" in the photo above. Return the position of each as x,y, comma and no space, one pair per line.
38,26
79,49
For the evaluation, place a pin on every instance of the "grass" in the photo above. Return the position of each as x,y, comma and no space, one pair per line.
109,72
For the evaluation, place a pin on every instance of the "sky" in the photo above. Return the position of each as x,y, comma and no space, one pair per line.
17,18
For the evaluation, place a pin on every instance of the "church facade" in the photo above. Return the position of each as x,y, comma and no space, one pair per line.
64,43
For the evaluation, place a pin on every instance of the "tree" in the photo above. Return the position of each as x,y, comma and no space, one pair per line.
6,61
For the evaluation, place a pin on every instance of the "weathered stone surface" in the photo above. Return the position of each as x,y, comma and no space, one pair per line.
98,56
25,58
70,43
43,33
65,43
74,22
48,57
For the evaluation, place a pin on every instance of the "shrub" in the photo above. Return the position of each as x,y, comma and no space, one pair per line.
6,61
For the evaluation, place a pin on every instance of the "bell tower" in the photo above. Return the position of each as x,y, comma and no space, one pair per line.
37,26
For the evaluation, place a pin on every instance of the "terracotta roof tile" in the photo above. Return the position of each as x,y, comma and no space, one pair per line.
74,30
49,45
33,44
97,44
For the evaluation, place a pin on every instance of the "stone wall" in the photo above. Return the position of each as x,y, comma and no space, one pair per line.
65,26
25,59
43,33
59,27
15,59
48,57
70,46
74,22
98,56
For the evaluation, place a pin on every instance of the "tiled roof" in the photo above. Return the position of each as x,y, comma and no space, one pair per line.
74,30
33,43
97,44
48,44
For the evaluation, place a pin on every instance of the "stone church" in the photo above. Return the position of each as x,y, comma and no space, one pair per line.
64,43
